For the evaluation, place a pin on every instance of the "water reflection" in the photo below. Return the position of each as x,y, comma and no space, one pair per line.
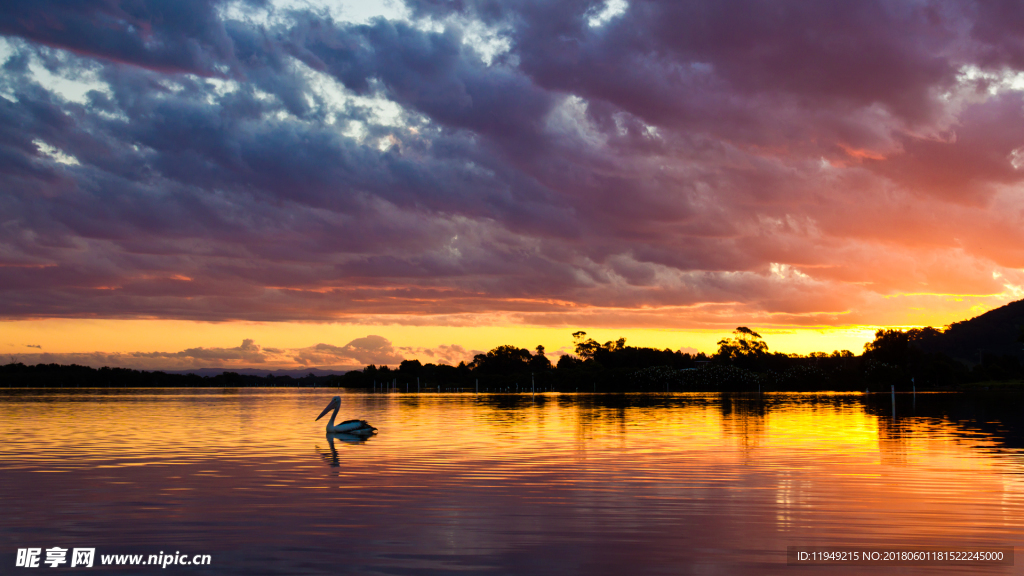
540,484
892,440
744,417
331,456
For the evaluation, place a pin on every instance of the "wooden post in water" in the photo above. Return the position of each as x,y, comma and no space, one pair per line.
477,385
417,384
533,384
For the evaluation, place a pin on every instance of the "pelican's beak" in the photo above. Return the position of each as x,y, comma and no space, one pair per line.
330,406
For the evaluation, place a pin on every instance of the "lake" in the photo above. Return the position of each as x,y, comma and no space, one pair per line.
506,484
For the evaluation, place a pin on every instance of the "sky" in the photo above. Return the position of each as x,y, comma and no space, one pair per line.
202,183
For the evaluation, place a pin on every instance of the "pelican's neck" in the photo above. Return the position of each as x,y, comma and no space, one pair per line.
334,415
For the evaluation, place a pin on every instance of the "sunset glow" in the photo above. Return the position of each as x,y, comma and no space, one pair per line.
284,184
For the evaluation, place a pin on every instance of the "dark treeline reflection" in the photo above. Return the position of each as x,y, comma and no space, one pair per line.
994,414
997,416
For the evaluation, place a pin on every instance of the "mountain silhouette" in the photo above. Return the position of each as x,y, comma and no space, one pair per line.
994,333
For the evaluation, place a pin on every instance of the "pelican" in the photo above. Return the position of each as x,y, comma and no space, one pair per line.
356,427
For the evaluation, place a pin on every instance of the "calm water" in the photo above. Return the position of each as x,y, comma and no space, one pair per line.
506,484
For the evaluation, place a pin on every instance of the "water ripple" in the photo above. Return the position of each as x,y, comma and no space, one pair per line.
545,484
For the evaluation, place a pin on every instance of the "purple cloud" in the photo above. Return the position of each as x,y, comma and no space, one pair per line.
674,165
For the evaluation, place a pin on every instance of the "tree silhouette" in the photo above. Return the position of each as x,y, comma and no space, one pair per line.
889,346
504,359
539,362
585,348
745,344
411,368
894,346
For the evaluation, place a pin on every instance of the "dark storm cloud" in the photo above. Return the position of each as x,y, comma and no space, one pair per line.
164,35
164,159
430,72
717,66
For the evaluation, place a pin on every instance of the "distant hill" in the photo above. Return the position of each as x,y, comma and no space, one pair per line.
995,332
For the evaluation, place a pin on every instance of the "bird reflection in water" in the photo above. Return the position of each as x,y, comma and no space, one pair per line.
331,457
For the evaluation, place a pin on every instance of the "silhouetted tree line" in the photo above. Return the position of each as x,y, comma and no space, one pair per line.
742,362
18,375
897,355
596,367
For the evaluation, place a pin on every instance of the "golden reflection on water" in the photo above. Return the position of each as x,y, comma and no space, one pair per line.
481,483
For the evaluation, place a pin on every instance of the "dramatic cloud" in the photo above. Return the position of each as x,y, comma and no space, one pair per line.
352,356
443,354
379,351
361,351
654,164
